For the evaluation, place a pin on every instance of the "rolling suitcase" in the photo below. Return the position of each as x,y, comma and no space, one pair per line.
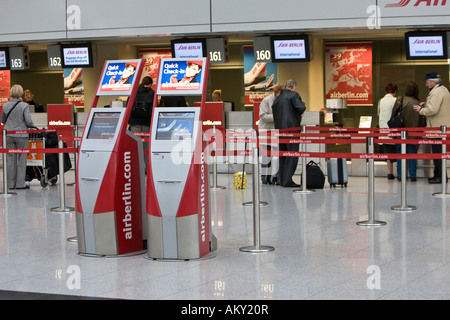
337,172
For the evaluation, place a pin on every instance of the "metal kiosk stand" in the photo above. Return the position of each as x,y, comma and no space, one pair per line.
110,185
178,211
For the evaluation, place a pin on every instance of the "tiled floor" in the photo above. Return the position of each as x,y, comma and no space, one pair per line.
320,252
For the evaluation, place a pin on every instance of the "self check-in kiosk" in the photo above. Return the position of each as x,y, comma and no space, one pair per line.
110,196
178,210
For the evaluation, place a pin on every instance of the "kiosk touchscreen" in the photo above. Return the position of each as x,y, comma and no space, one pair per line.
177,187
110,188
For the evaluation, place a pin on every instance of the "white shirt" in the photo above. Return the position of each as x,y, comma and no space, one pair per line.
265,113
385,106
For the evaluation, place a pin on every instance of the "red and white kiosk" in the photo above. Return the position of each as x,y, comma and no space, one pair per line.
178,210
110,186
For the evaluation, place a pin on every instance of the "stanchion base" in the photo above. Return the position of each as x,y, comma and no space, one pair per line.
8,194
307,191
250,203
72,239
94,255
374,223
441,195
65,209
207,256
257,249
400,208
217,188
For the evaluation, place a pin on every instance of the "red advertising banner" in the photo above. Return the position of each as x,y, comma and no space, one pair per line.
152,59
5,86
348,69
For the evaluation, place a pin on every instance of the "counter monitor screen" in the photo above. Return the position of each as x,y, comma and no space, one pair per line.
4,58
188,48
290,49
175,125
103,125
426,45
76,56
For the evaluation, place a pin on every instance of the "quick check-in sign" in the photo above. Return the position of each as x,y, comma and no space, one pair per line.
118,77
181,76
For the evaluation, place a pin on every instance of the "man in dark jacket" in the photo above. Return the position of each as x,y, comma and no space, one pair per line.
287,110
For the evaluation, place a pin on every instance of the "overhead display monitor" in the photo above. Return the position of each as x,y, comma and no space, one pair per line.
188,48
103,125
54,56
175,125
217,49
76,55
426,45
181,77
19,58
290,48
4,58
118,77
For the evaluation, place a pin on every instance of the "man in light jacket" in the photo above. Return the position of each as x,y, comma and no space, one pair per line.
437,110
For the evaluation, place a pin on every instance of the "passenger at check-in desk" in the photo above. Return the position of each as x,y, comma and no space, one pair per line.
141,112
28,97
288,109
436,109
270,164
16,116
385,106
411,120
173,101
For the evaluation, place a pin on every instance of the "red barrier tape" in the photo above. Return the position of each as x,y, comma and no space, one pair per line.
373,129
346,155
30,131
49,150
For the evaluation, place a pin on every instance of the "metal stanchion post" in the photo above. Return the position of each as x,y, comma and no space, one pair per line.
443,193
257,247
214,145
75,144
403,206
303,190
371,222
5,192
62,207
255,176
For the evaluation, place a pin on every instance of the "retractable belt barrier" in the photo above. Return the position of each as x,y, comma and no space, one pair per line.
369,136
60,150
419,136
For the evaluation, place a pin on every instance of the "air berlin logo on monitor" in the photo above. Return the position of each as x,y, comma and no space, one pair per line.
428,3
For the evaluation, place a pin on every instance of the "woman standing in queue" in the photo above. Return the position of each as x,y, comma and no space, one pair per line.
16,116
411,120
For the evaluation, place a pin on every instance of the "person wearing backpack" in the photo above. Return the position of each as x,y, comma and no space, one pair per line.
141,113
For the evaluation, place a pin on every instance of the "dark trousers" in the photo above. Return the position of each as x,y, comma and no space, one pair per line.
437,148
269,167
288,165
